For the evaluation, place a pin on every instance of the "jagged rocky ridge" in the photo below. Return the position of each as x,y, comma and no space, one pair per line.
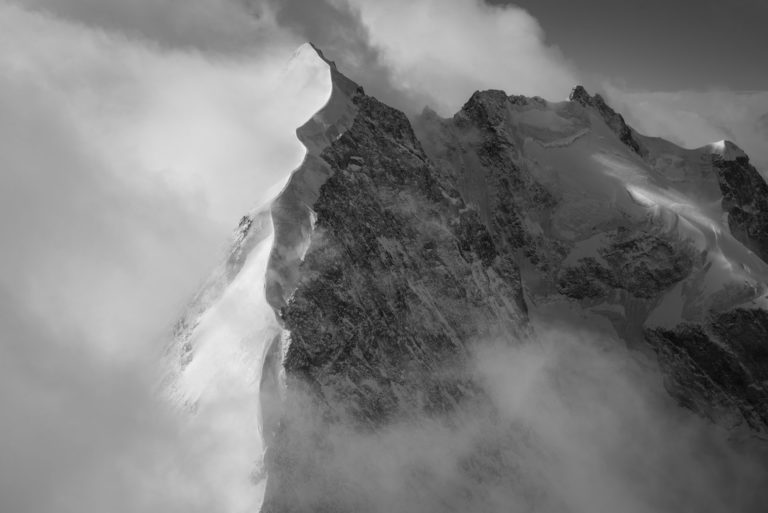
400,246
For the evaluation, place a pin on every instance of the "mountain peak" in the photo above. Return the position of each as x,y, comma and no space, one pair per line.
615,120
580,94
310,46
726,149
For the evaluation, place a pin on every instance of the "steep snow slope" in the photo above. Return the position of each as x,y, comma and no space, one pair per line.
220,347
219,352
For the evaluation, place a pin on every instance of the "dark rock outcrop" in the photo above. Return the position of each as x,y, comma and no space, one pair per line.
719,369
643,265
745,199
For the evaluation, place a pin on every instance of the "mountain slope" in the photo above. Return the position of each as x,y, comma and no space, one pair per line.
655,238
404,250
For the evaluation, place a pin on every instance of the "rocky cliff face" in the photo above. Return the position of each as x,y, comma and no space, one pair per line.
402,246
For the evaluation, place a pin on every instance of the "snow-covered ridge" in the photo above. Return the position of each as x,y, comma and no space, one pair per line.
222,341
231,329
291,212
293,218
727,149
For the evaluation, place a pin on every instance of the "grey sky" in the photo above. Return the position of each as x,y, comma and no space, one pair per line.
661,44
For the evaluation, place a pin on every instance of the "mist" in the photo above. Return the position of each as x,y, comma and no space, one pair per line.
128,156
570,421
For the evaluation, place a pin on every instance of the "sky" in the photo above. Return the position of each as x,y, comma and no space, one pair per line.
135,134
658,44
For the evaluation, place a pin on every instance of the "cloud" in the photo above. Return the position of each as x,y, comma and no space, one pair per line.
144,108
436,53
211,26
696,118
127,159
80,434
500,47
605,435
337,29
574,422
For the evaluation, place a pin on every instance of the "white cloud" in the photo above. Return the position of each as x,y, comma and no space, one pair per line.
125,164
574,422
444,50
212,126
224,26
606,436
